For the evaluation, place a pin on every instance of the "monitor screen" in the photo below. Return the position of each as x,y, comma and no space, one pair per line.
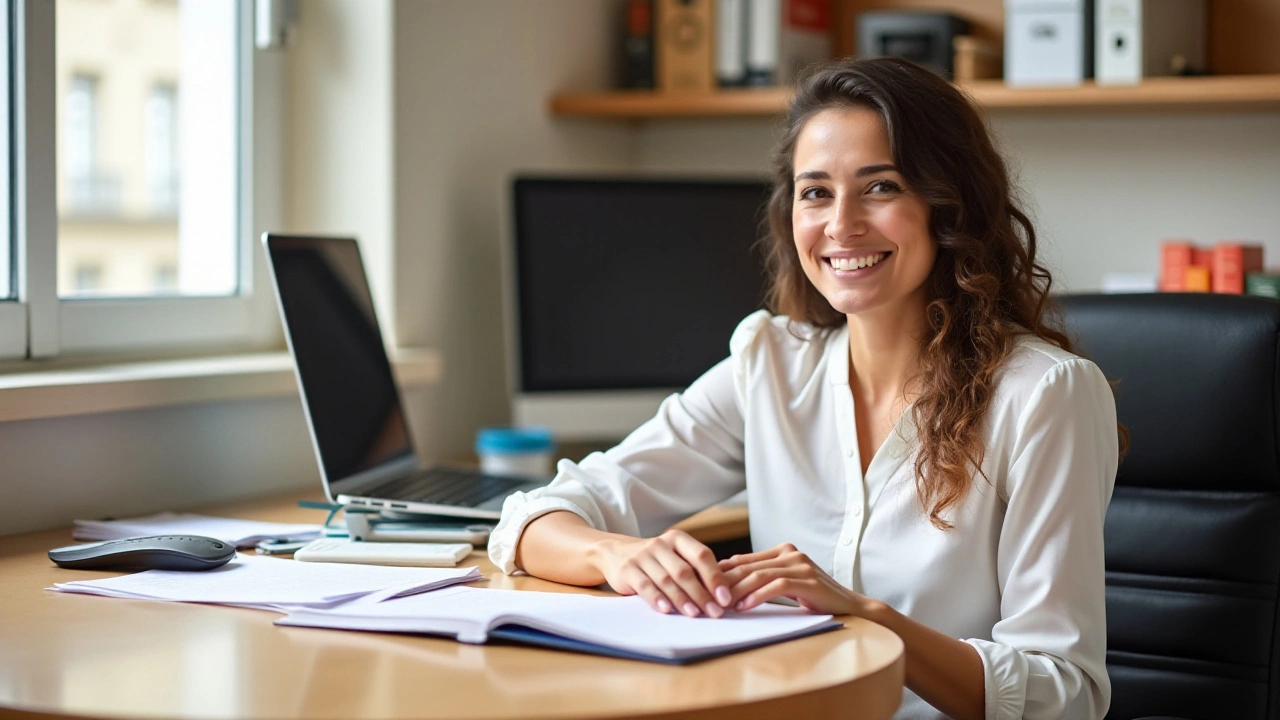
628,284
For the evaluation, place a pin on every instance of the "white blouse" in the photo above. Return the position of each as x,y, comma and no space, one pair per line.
1020,577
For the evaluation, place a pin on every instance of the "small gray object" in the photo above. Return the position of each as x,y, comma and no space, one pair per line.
154,552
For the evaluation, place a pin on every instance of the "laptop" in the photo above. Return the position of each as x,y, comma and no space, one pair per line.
351,400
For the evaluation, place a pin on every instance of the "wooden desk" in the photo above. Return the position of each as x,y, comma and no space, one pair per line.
67,655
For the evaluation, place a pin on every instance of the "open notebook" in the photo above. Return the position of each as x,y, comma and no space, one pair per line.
616,626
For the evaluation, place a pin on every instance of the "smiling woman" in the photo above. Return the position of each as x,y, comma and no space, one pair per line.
918,443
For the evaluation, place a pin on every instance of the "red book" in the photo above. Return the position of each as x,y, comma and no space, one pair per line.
1231,262
1175,257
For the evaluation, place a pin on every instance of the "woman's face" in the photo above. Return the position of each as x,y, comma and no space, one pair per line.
861,233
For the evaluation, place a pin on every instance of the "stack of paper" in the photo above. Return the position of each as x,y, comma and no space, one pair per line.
241,533
275,584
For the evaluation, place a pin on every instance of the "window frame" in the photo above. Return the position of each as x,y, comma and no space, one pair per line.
13,316
40,324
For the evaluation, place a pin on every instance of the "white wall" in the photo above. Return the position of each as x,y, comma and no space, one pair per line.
1104,189
472,85
341,154
1109,188
128,463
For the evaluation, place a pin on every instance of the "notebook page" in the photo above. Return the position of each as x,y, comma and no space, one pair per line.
618,622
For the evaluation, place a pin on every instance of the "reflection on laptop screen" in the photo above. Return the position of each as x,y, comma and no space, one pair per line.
352,401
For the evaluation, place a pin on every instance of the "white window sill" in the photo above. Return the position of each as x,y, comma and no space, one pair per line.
50,392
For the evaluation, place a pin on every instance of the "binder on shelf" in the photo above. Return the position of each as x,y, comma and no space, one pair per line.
1139,38
684,41
784,36
637,45
731,40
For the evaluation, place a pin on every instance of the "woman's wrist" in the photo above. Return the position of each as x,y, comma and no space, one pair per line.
876,611
601,552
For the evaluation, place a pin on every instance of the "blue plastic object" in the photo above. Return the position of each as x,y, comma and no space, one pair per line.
509,441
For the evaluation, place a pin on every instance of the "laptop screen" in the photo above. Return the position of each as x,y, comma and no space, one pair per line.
352,402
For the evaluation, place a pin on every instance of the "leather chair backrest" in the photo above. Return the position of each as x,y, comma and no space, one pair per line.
1193,529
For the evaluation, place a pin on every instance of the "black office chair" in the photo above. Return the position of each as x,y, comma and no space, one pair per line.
1193,530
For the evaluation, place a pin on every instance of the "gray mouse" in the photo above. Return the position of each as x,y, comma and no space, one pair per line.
155,552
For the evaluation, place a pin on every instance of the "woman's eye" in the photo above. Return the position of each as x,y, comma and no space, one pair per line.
813,193
885,186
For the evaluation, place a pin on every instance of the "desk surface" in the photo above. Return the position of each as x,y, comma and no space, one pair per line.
74,655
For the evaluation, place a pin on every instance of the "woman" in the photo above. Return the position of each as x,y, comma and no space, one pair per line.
918,443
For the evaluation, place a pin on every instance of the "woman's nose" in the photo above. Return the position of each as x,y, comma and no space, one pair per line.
847,221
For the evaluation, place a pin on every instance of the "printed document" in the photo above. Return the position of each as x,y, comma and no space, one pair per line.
275,583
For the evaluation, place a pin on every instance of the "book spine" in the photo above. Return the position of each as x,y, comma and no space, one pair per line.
637,45
764,32
805,37
1175,258
684,39
1231,262
731,41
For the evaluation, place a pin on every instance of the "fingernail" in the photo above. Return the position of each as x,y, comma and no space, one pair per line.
690,609
722,595
714,610
664,606
740,605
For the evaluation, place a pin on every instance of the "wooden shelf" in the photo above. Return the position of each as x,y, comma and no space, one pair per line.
1228,92
646,104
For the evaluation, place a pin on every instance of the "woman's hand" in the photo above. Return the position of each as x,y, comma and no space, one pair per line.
672,572
784,571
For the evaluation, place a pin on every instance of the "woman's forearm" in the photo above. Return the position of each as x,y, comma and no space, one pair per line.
945,672
561,546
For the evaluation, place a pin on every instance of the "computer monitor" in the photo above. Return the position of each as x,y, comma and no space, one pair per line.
623,290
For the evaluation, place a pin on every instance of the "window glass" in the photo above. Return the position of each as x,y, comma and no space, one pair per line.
147,147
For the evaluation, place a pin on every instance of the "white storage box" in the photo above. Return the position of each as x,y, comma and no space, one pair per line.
1146,38
1048,42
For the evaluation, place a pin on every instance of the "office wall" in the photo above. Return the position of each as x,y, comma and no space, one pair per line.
1104,189
125,463
472,85
341,146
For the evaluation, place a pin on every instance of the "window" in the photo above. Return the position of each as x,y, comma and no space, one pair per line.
162,150
142,233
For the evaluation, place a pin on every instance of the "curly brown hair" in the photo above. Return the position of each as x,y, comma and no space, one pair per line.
986,287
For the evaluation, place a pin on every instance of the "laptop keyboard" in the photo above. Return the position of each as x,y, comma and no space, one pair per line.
447,486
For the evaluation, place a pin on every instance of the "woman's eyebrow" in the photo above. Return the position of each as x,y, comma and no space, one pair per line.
861,172
813,175
873,169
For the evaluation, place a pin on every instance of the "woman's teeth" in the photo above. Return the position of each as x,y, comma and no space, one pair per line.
856,263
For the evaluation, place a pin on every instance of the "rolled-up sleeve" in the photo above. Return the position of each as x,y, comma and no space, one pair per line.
686,458
1047,654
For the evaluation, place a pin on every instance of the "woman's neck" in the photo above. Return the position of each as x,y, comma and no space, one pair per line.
884,349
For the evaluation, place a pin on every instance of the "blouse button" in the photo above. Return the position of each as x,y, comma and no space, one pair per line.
849,453
847,542
857,511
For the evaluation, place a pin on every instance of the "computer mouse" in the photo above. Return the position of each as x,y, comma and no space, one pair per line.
155,552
